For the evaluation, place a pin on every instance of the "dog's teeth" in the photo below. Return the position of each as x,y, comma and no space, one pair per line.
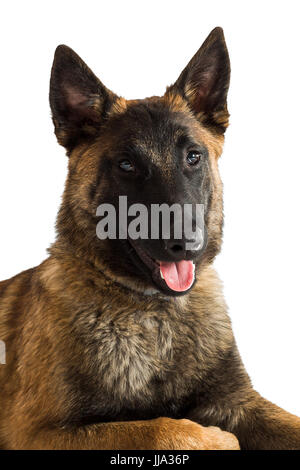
161,275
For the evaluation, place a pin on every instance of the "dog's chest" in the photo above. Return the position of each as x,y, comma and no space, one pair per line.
144,356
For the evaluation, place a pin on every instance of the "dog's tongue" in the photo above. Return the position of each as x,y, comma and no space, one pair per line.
178,276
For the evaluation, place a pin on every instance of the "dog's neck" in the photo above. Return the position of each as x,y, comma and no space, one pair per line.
68,255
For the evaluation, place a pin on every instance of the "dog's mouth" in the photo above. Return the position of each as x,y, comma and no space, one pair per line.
172,277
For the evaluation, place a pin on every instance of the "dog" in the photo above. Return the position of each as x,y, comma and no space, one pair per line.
122,343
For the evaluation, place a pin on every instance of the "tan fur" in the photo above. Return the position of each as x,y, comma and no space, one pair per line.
99,357
34,400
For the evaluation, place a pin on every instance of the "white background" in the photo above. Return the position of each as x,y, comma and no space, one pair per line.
137,48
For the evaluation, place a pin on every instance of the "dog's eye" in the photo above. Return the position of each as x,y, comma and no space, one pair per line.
126,165
193,157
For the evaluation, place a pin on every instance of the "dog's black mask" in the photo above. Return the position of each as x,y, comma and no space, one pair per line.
160,150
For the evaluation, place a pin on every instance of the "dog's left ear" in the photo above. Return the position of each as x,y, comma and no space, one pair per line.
205,80
78,100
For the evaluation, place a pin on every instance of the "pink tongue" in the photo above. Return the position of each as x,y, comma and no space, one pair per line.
178,276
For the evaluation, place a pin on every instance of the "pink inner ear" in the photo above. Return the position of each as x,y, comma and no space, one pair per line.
74,97
80,105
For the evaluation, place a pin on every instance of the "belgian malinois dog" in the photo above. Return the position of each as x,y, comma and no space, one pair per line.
122,343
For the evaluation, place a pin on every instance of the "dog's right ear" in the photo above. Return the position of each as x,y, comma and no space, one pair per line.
78,100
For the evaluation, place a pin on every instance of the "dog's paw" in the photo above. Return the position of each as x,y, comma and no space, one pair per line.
220,440
183,434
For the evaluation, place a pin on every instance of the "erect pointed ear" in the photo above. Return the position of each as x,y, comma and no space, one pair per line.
205,80
78,99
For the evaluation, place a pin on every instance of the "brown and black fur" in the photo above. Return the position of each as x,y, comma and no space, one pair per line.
98,355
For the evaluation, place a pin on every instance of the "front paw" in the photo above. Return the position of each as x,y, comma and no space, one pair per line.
183,434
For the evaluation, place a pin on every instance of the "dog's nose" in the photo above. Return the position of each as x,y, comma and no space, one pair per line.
175,248
178,248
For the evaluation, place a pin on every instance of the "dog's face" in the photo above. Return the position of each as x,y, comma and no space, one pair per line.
160,150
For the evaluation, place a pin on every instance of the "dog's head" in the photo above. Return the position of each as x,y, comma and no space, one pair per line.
159,150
